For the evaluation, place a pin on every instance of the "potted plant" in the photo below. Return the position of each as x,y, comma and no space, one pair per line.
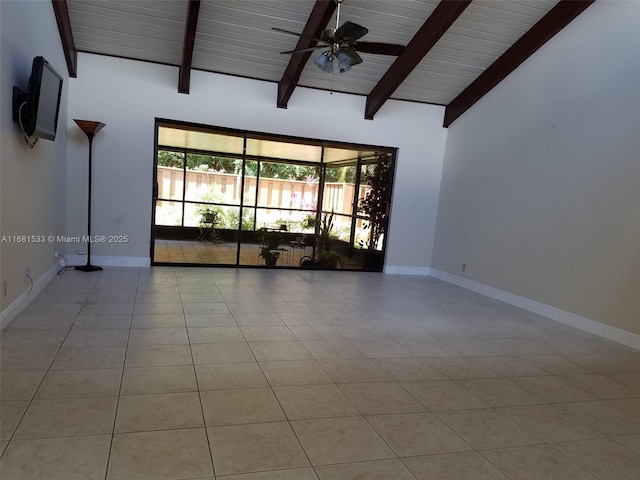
270,238
375,206
326,226
270,256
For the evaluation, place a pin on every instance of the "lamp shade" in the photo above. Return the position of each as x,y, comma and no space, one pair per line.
89,126
324,62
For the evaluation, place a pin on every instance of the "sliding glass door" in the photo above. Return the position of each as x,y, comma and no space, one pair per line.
240,198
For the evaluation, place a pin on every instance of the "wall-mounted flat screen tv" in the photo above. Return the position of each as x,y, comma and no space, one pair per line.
37,109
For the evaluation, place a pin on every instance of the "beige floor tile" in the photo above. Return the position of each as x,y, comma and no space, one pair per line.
555,364
604,417
604,458
165,411
10,414
509,366
158,336
290,474
500,392
381,398
162,455
409,369
221,353
340,440
19,385
354,370
96,338
274,351
294,372
88,358
232,407
68,417
630,379
68,458
630,406
18,358
549,423
630,441
102,322
210,320
108,308
382,348
165,320
206,307
215,335
33,338
158,297
255,447
487,429
314,332
553,389
461,367
258,319
101,382
143,380
328,349
202,297
158,356
438,395
453,466
267,334
157,309
314,401
601,386
377,470
226,376
412,434
538,462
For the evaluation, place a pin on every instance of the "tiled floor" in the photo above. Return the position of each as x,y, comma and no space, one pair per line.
175,373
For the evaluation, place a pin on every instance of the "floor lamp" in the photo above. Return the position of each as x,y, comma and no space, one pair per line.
90,129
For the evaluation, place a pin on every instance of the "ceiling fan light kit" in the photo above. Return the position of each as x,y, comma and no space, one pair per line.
341,44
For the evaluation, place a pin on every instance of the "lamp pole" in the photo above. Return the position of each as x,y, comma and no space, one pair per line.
90,129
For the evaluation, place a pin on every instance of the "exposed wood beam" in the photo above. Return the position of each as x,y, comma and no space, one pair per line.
184,77
433,28
554,21
316,23
66,37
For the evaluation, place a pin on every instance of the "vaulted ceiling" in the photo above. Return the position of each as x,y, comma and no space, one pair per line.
456,50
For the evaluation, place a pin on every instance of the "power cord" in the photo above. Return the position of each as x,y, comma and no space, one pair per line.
30,280
63,264
30,143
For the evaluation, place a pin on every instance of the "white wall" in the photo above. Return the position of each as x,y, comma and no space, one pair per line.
128,96
32,180
540,192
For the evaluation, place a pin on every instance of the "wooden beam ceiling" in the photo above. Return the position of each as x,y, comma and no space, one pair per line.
316,23
433,28
184,76
64,28
554,21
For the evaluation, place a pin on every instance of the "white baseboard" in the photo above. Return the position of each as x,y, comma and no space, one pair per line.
402,270
109,261
20,303
607,331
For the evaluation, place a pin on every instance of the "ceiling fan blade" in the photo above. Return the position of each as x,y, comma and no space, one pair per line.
379,48
350,32
354,58
309,49
288,32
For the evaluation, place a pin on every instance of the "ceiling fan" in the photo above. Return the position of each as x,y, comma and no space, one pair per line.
341,44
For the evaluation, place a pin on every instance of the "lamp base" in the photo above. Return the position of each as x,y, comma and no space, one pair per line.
89,268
